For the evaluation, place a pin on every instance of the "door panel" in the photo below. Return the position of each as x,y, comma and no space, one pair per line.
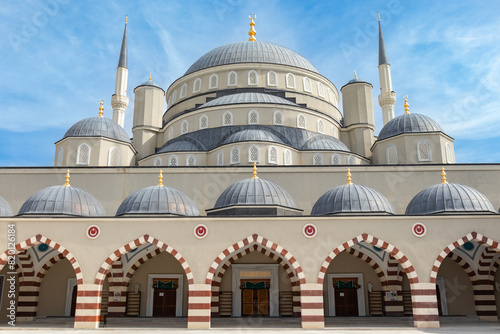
346,302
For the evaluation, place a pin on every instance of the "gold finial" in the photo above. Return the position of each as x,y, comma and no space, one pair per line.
101,108
67,179
126,19
252,31
406,105
255,171
379,16
160,178
149,77
355,75
349,176
443,176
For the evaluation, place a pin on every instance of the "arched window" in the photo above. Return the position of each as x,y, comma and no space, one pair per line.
331,96
60,156
321,89
272,157
220,158
449,156
184,89
334,131
157,162
197,85
253,154
252,78
290,81
272,79
203,122
170,133
227,118
318,159
336,159
391,154
278,118
287,157
321,126
213,82
173,161
191,160
235,155
174,96
114,157
301,121
83,155
232,78
351,160
169,102
423,150
307,85
184,127
253,117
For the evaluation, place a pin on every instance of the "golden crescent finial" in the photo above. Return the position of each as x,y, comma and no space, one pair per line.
160,178
149,77
355,75
67,178
349,176
406,105
443,176
379,16
252,31
126,19
101,108
255,171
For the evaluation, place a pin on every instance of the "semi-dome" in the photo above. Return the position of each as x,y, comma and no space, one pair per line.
323,142
449,198
5,209
251,52
159,200
252,135
98,127
242,98
182,146
62,200
409,123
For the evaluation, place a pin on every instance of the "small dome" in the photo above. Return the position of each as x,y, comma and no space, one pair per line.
252,135
62,200
158,200
322,143
351,198
98,127
242,98
449,198
251,52
149,83
181,146
408,123
5,210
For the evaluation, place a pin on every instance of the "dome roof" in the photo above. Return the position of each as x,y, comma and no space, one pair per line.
449,198
252,135
158,200
98,127
251,52
408,123
241,98
351,198
149,83
62,200
5,210
322,142
181,146
255,191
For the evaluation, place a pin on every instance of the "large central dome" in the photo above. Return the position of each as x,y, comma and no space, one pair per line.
251,52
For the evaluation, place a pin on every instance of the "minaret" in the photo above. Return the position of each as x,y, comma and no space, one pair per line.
387,98
119,100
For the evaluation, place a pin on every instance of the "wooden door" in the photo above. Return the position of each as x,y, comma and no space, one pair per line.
164,301
73,300
255,302
346,302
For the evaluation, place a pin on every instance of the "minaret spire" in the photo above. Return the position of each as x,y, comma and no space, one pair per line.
119,100
387,98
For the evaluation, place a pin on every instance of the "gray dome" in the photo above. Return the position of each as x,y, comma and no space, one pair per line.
322,142
449,198
62,200
252,135
251,52
408,123
158,200
351,198
98,127
181,146
5,210
255,191
241,98
149,83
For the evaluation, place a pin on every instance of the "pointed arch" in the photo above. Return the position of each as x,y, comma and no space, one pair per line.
114,156
253,117
232,79
391,154
301,121
60,156
290,81
203,122
307,84
183,92
272,78
197,85
253,154
272,157
173,161
318,159
321,126
424,150
278,118
287,157
253,78
213,81
220,158
191,160
227,118
83,154
321,89
235,155
184,127
157,162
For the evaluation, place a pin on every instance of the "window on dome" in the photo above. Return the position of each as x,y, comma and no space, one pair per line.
83,155
114,157
334,131
60,156
449,158
351,160
232,78
253,117
220,158
287,157
331,96
157,162
423,150
173,161
321,89
317,159
191,160
301,121
203,123
321,126
235,155
392,154
169,102
290,81
214,81
336,159
252,78
278,118
273,155
184,127
272,78
197,85
227,118
183,91
170,133
253,154
174,96
307,85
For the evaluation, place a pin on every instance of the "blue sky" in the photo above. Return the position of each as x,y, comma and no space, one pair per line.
59,58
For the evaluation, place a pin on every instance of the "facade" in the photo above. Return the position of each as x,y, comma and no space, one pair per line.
252,195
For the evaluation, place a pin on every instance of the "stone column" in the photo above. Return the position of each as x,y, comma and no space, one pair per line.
311,302
199,306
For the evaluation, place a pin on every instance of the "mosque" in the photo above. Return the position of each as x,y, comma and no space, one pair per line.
251,195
